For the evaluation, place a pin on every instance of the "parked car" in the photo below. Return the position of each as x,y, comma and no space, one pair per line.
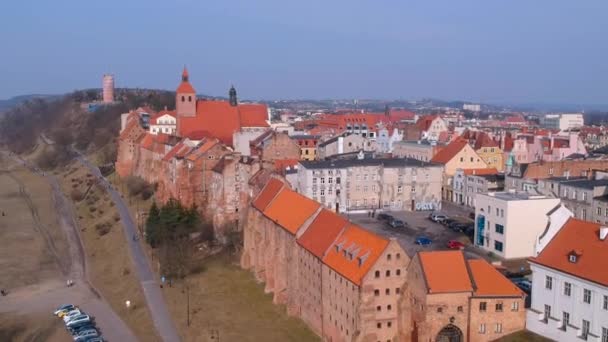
95,339
384,217
423,241
396,223
459,226
71,314
85,326
524,284
455,244
78,321
86,335
436,217
448,221
64,309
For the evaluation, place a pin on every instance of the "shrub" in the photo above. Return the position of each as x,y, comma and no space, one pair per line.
76,195
103,228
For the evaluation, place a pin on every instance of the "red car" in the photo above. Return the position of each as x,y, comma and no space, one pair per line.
454,244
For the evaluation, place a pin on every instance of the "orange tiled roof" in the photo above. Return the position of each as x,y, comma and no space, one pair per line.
290,210
221,119
445,271
202,149
581,237
424,123
354,252
281,164
131,126
322,232
449,152
481,172
147,142
271,189
489,282
175,150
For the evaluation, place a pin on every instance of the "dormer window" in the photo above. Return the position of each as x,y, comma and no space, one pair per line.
574,255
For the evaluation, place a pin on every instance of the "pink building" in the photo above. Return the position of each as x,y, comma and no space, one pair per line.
108,88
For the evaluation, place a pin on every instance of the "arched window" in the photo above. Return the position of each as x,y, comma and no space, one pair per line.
189,98
183,99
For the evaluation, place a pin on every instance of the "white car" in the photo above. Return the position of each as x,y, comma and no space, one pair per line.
78,320
71,314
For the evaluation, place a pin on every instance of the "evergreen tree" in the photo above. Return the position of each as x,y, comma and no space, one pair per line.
153,225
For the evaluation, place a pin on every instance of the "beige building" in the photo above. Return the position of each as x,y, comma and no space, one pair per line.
423,150
347,143
371,184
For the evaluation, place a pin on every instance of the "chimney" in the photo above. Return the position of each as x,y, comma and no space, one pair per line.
603,233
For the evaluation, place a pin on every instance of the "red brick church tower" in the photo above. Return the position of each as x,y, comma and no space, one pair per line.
185,97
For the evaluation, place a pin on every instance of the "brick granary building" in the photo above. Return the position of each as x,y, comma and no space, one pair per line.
349,284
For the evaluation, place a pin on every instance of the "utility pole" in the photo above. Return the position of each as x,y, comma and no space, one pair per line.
187,304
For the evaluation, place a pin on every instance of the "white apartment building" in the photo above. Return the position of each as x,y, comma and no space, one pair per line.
371,184
563,121
163,122
509,223
570,283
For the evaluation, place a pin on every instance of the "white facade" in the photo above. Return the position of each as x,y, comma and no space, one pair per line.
471,107
563,121
371,184
560,305
166,124
509,224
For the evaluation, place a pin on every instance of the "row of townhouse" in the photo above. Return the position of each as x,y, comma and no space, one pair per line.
348,284
371,184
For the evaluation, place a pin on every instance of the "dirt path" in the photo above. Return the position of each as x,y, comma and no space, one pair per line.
49,294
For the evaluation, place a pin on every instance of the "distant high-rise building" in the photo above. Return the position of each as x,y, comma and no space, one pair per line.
108,88
472,107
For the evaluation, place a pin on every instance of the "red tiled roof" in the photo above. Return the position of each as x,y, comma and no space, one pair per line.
447,153
445,271
131,125
424,123
175,151
147,142
484,140
365,248
282,164
290,210
322,232
253,115
481,172
221,119
489,282
202,149
271,189
582,237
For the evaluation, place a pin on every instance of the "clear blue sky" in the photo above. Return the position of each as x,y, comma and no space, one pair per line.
553,51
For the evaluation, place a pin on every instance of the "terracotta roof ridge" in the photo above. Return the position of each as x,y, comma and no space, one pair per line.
470,273
346,225
426,281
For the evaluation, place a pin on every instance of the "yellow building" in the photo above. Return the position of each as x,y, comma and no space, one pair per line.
308,146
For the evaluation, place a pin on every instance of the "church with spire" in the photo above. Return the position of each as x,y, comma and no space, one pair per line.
198,118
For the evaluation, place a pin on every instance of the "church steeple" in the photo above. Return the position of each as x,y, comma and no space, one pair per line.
185,75
232,96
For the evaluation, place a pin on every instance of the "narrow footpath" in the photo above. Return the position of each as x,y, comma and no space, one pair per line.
50,294
156,302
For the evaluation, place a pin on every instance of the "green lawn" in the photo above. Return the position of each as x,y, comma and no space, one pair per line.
226,301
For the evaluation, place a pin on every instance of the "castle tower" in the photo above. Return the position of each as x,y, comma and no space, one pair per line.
232,97
185,97
108,88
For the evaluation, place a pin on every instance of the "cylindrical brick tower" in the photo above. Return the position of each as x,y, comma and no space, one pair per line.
108,88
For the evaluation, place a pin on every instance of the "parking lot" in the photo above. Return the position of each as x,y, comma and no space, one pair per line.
418,224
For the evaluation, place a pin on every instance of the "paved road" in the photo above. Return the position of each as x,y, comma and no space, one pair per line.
47,296
156,303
